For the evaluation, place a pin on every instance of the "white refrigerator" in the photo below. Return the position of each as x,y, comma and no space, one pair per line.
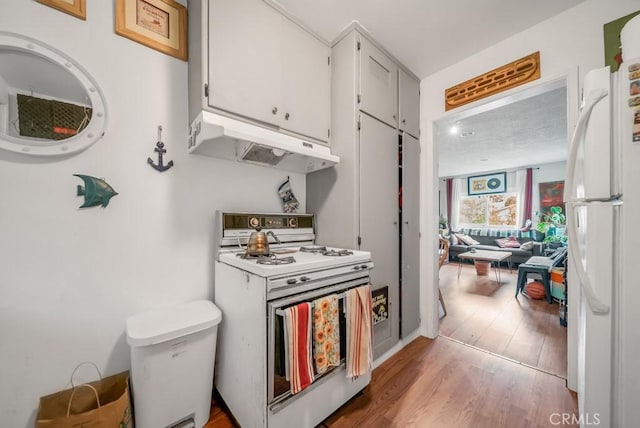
602,195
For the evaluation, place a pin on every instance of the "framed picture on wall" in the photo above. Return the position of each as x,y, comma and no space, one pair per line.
76,8
551,195
487,184
158,24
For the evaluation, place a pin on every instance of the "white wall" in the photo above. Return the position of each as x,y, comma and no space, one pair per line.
571,39
70,278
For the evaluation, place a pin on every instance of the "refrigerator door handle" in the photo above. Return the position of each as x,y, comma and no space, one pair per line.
593,98
596,305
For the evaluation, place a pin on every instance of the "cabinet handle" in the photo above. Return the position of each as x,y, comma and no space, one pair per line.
404,121
394,117
275,110
286,116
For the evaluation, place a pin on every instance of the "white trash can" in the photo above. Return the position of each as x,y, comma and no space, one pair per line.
172,358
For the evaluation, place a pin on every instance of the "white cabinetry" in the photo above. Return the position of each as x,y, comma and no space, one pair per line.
252,61
378,94
306,84
409,103
410,235
378,202
356,202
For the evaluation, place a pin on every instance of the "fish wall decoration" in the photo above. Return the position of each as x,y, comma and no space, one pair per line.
96,191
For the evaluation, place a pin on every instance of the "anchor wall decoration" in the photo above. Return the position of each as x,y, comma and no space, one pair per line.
160,166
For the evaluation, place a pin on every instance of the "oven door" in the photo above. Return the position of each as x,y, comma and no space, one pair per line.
279,388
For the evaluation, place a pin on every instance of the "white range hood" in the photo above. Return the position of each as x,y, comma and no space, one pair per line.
223,137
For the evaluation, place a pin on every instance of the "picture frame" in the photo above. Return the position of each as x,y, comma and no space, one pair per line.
77,8
158,24
487,184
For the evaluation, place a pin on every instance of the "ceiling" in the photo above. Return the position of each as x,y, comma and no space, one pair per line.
427,35
525,129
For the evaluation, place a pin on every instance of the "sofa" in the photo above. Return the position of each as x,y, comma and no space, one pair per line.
510,240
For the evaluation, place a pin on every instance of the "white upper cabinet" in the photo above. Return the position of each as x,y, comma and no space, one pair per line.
378,92
306,84
409,104
265,67
245,69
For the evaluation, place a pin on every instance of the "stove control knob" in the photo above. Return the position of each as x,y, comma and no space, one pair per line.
304,278
356,268
254,222
293,222
364,266
292,281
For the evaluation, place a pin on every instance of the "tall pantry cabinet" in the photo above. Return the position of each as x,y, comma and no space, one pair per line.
357,202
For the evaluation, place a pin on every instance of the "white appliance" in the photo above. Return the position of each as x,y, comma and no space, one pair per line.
252,293
603,207
219,136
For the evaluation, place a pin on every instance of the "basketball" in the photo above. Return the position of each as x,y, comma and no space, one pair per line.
535,290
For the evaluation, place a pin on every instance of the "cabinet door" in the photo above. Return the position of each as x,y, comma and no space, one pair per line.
409,104
378,84
410,265
306,85
378,213
245,66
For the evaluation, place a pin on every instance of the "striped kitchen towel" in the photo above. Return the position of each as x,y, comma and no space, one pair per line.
359,331
326,333
298,320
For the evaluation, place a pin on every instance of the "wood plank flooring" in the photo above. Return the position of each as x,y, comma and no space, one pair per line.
486,315
443,383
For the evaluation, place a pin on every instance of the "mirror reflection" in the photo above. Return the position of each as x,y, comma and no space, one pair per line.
48,104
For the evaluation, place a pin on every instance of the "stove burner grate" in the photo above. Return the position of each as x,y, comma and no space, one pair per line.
274,260
312,249
336,253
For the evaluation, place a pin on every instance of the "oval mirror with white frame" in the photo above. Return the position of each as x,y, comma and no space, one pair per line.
49,105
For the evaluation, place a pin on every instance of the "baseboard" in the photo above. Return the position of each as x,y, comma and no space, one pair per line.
397,347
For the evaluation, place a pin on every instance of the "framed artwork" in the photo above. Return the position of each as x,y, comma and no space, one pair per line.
76,8
158,24
487,184
551,195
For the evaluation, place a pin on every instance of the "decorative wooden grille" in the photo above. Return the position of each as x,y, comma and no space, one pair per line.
500,79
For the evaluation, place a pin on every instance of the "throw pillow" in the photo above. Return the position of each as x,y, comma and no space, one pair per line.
510,242
527,245
466,239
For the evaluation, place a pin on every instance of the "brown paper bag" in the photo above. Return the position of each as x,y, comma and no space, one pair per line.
102,403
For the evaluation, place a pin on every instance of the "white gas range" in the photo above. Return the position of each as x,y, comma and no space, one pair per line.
252,293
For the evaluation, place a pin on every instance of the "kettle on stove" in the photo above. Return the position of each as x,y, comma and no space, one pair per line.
258,243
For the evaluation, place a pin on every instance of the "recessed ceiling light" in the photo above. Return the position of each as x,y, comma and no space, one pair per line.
467,134
453,130
484,160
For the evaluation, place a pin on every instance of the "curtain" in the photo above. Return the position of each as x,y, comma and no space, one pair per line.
521,191
528,196
456,195
449,184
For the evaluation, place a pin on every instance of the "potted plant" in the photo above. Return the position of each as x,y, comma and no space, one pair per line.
549,224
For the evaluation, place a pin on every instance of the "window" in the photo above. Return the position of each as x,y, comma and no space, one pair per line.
498,210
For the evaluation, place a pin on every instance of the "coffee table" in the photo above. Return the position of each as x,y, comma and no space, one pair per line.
486,256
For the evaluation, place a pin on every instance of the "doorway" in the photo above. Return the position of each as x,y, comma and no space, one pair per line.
519,129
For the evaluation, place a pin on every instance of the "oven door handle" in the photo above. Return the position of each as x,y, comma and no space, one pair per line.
280,312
